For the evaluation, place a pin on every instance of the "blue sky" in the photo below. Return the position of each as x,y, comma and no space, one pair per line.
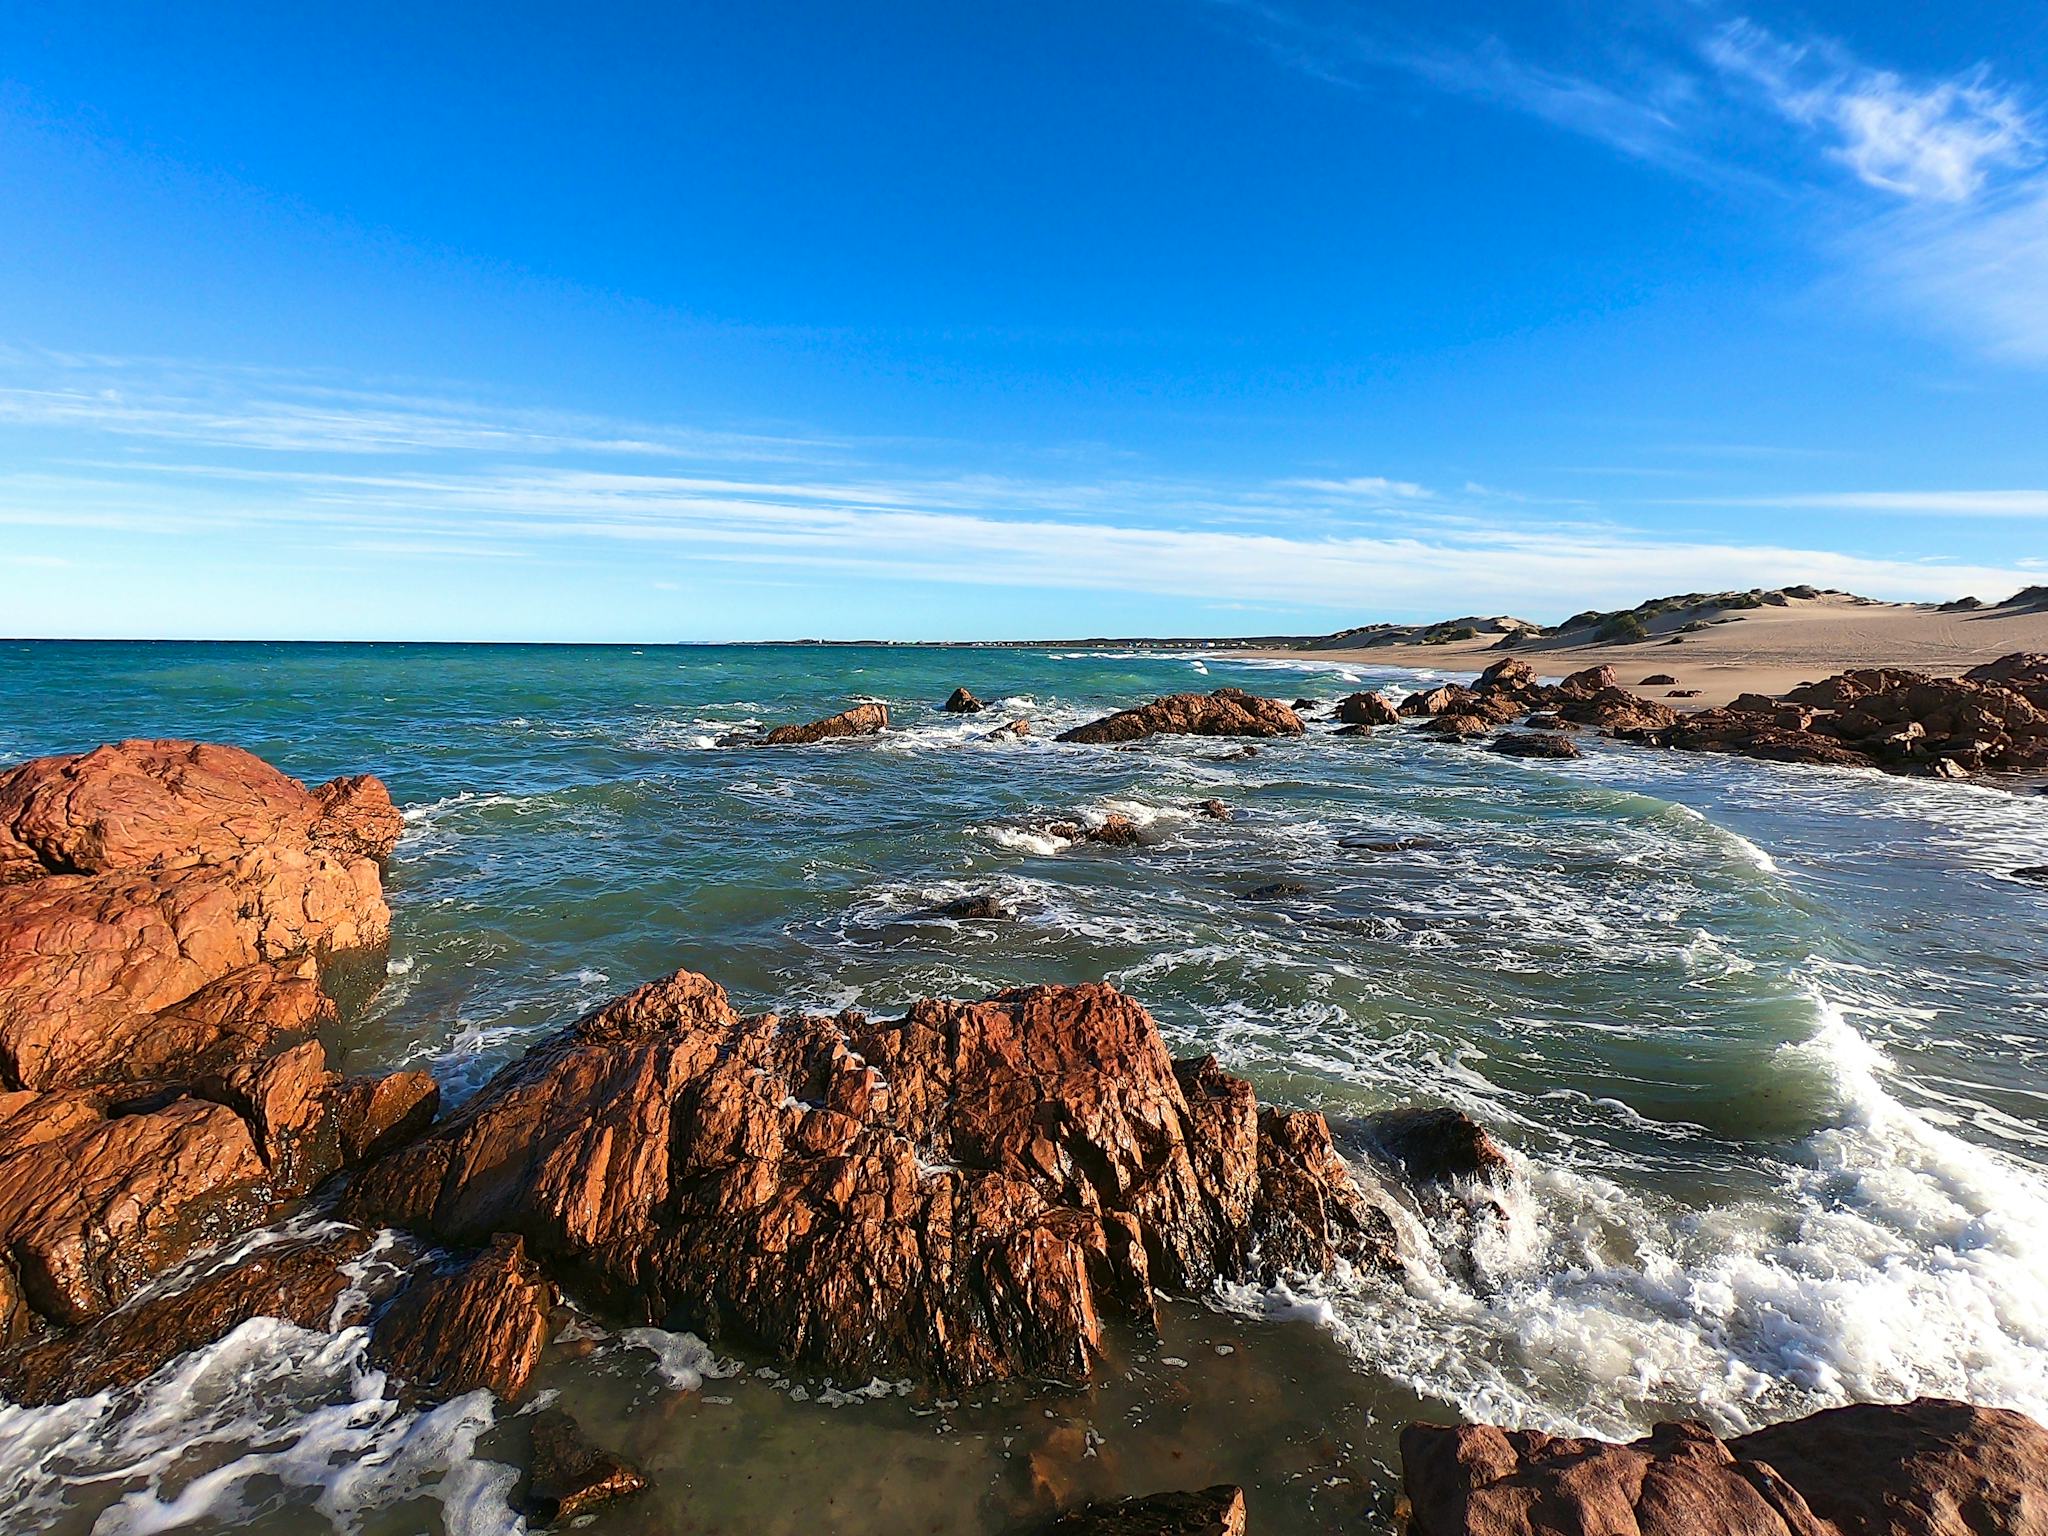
945,321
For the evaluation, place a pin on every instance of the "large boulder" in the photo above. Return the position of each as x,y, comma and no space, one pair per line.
961,702
1617,711
964,1194
138,876
1367,709
1226,712
861,720
1926,1468
166,909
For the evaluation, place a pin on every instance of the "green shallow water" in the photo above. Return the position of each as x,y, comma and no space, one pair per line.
1768,1043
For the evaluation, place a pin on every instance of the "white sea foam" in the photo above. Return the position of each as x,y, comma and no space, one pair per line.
1899,1261
219,1435
682,1360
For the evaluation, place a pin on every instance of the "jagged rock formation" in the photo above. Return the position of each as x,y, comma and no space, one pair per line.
1226,712
965,1193
1926,1468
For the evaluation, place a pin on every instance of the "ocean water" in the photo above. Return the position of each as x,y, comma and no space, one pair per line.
1767,1044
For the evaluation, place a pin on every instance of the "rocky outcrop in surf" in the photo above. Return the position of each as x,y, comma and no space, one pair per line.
1925,1468
1366,709
1993,719
1226,712
869,719
167,913
961,702
964,1194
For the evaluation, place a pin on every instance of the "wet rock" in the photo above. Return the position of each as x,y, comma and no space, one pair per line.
861,720
1720,730
1657,680
1019,727
1217,1511
299,1280
481,1324
569,1476
1303,706
88,1216
1367,709
375,1115
1214,810
1242,754
1435,1146
1387,844
1534,744
1926,1468
961,702
2035,872
1226,712
1683,693
104,1188
1277,890
1550,720
963,1194
979,908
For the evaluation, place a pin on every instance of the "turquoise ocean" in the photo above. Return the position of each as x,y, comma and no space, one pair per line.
1770,1046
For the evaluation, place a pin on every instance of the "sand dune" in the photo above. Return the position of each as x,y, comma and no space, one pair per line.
1761,650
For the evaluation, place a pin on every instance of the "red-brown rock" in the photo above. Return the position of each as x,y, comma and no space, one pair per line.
298,1279
1450,698
1589,681
482,1324
961,702
1435,1146
1217,1511
1367,709
1617,711
140,875
373,1115
1927,1468
964,1193
1226,712
861,720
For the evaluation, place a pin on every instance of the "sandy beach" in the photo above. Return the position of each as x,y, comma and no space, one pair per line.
1760,650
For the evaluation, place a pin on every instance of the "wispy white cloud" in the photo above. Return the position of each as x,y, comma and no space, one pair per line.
1939,139
2007,503
1929,190
1355,545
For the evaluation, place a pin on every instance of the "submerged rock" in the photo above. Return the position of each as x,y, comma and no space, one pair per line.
964,1194
1276,890
961,702
481,1324
569,1476
861,720
980,907
1217,1511
1925,1468
1226,712
1214,810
